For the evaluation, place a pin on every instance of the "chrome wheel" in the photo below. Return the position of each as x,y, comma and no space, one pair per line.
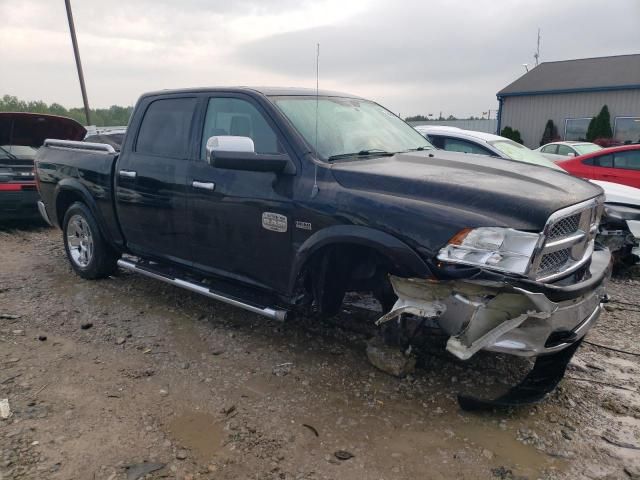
79,241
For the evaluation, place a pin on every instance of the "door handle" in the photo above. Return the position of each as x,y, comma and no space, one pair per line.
203,185
128,173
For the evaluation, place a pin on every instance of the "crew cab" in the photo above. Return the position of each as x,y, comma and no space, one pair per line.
282,200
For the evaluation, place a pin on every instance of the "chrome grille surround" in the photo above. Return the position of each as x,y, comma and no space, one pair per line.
567,240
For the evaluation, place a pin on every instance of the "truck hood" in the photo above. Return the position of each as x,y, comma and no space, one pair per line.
498,191
31,129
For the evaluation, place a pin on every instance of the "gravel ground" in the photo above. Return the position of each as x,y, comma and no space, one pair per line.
111,379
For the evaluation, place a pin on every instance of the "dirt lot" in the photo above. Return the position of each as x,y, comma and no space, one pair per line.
104,376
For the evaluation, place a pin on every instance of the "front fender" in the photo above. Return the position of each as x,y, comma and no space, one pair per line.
404,258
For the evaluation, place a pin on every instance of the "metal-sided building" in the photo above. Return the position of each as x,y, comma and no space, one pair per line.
570,93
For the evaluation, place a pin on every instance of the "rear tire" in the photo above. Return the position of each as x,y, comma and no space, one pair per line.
89,254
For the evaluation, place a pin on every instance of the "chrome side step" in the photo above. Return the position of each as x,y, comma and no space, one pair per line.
272,313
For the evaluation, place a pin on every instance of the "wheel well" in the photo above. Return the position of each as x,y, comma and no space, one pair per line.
335,269
63,201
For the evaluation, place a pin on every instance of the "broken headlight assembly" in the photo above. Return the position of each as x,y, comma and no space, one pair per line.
497,248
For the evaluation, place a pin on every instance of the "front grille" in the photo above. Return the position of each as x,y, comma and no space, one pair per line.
568,240
565,227
553,262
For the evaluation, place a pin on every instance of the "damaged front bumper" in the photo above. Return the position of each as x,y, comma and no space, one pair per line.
500,314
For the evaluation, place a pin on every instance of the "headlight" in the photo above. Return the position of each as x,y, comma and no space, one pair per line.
497,248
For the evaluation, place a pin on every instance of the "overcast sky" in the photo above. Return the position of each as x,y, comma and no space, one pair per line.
413,56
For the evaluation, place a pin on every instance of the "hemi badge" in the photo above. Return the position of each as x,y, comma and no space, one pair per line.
303,225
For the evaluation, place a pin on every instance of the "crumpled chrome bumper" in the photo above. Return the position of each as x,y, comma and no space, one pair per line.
569,322
518,318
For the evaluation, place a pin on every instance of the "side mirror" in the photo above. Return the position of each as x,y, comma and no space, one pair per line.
571,154
229,143
238,153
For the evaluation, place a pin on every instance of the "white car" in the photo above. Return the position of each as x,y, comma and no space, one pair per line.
468,141
562,150
620,226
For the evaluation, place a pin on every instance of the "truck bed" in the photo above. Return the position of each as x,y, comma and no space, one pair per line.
82,167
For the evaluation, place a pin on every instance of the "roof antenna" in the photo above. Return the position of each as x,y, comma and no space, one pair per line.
537,54
315,189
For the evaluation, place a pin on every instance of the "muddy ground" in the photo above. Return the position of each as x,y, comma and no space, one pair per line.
111,376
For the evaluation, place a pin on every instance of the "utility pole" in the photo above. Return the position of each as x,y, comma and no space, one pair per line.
76,53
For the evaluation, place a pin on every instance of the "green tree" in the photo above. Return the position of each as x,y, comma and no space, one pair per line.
115,115
415,118
600,125
550,133
512,134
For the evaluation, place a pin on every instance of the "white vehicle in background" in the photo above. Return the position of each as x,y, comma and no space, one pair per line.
562,150
456,139
620,226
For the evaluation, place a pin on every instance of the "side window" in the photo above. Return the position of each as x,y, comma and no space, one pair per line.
458,145
589,161
629,160
437,141
550,149
565,150
604,161
165,128
233,116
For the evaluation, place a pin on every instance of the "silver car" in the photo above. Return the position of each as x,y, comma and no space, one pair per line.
562,150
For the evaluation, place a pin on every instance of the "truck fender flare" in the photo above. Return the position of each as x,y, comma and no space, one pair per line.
404,258
73,185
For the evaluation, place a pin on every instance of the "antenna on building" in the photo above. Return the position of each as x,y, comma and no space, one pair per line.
315,189
537,54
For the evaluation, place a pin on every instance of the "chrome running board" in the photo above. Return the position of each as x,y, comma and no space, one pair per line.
275,314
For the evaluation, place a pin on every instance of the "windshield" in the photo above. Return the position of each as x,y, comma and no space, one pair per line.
518,152
586,148
349,127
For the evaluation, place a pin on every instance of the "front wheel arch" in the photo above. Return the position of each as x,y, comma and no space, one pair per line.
331,262
405,260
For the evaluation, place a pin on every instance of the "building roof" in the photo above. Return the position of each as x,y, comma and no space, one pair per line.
621,72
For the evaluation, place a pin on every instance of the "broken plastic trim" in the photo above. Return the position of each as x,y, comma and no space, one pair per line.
541,380
416,296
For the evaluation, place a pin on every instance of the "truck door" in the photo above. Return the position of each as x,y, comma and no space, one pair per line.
151,180
241,221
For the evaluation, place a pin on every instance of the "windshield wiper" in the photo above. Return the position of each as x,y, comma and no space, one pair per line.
9,154
419,149
362,153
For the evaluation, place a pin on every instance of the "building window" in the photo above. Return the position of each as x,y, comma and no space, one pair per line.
576,128
627,129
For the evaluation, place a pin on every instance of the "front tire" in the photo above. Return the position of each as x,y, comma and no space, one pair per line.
89,254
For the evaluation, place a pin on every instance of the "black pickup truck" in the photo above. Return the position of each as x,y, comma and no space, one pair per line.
280,200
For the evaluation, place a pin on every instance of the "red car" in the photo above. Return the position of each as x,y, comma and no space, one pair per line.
616,164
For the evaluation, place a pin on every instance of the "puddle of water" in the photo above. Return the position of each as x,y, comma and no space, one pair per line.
198,432
508,450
